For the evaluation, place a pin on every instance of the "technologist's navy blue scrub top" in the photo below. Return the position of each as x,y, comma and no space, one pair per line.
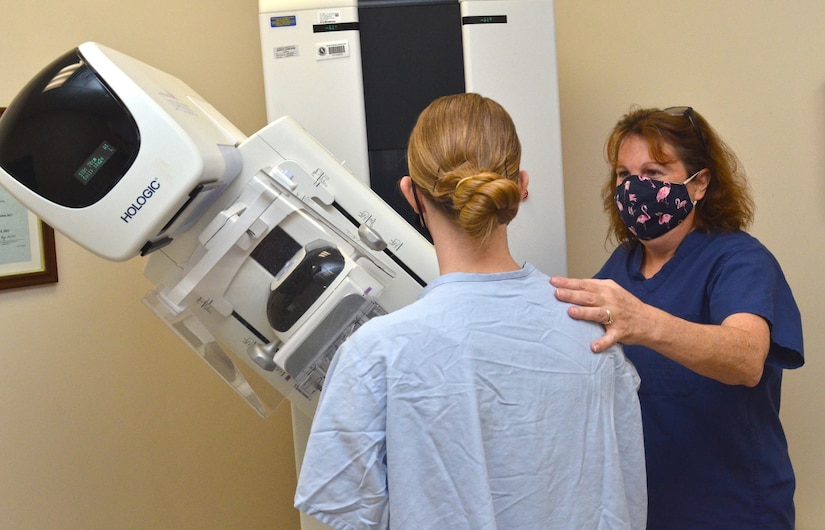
717,456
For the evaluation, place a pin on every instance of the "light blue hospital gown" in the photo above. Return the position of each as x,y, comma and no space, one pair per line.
479,406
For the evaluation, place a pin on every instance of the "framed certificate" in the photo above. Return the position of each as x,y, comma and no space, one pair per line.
27,252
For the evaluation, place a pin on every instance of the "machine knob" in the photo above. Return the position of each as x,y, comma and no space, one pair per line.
264,355
371,238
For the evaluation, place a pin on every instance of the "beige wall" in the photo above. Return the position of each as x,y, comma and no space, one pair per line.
106,419
756,70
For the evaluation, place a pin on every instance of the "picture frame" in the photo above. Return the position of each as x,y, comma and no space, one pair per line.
27,250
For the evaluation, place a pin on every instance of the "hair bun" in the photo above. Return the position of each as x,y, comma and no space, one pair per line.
485,200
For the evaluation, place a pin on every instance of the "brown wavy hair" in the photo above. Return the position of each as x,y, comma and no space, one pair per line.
464,155
727,205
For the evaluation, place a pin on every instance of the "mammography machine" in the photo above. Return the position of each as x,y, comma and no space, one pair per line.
265,251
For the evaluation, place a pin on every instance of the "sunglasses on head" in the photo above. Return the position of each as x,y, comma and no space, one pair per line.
687,112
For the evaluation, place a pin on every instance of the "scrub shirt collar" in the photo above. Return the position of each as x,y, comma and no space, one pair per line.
693,240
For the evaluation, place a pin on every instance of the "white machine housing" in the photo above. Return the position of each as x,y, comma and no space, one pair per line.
290,255
355,65
178,153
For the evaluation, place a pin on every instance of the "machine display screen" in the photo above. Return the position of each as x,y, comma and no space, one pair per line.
489,19
95,161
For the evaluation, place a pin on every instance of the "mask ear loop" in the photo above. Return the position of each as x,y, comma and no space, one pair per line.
418,206
688,180
692,177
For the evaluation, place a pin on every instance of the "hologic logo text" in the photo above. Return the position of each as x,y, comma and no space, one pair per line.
140,201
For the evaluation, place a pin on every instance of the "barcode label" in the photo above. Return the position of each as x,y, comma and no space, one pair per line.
332,50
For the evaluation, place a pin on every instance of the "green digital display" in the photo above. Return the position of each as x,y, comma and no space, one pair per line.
92,165
487,19
335,26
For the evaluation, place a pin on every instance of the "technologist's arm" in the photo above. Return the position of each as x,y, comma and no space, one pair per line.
733,352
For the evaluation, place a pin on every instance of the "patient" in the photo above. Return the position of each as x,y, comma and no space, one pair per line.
480,405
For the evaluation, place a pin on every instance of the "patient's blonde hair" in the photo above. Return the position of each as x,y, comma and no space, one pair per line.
464,155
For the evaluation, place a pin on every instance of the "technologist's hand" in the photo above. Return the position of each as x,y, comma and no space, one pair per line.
605,302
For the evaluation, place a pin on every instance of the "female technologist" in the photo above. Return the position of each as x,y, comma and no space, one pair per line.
707,317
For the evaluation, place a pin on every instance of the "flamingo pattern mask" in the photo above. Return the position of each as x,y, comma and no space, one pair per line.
651,208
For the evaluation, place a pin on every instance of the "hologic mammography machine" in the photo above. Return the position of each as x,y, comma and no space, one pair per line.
267,251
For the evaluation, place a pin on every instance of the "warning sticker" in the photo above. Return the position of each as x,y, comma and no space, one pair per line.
282,52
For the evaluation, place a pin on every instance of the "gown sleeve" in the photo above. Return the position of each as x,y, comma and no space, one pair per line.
343,477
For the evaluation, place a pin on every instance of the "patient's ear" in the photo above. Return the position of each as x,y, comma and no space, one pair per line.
406,186
523,182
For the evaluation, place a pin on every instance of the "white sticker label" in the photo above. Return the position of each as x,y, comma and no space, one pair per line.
331,50
282,52
327,17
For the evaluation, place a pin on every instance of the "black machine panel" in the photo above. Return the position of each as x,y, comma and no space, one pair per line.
411,54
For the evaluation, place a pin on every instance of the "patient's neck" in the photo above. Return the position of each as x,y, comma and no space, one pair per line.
458,252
